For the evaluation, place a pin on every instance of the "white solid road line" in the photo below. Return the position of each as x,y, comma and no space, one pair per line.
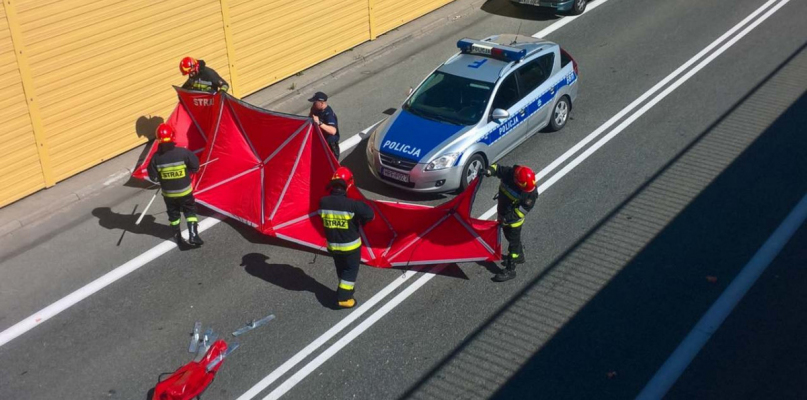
350,336
625,111
311,366
565,20
353,334
680,359
669,89
622,113
89,289
132,265
136,263
352,141
318,342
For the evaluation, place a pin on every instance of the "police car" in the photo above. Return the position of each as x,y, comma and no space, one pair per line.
472,110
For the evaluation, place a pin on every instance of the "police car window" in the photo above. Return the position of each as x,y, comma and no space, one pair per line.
534,73
450,99
507,94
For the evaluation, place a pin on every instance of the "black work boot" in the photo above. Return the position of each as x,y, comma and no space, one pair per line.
519,259
507,260
178,236
508,269
509,272
193,234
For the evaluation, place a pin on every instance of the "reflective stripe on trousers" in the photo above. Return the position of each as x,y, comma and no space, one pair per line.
177,193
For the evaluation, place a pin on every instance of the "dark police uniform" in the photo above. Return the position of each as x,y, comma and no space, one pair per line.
207,80
341,218
328,117
172,167
514,204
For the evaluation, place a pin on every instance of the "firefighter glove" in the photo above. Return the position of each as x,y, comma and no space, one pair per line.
491,170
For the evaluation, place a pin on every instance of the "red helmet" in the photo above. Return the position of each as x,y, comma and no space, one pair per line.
343,174
525,178
188,65
165,133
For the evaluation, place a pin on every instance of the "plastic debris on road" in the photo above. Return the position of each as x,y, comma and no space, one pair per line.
253,325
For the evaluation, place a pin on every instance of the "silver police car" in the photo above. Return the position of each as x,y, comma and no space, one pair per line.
472,110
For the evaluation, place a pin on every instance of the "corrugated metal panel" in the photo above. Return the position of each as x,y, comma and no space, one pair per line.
93,68
390,14
20,171
100,65
274,39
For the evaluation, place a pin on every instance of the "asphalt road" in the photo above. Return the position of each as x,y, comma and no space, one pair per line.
626,251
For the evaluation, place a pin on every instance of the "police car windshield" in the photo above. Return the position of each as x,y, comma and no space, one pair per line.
450,98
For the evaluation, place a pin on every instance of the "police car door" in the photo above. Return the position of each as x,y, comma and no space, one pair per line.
535,78
506,132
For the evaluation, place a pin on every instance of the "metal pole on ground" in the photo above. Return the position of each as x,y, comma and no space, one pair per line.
145,210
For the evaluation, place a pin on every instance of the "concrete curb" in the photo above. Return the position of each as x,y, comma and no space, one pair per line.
64,201
10,227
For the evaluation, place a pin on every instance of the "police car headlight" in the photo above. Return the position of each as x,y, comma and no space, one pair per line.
375,132
445,161
371,140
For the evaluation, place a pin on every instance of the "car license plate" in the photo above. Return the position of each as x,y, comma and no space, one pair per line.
395,175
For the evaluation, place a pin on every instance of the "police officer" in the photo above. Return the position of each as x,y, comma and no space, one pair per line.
171,166
341,218
325,118
200,77
517,195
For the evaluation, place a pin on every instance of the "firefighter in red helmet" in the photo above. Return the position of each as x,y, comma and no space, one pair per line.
341,218
201,77
172,167
517,195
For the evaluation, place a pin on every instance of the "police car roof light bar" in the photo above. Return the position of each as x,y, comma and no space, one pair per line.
491,49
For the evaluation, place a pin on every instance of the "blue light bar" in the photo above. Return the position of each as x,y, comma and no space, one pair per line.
508,53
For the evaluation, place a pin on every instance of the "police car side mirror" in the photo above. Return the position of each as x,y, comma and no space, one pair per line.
499,114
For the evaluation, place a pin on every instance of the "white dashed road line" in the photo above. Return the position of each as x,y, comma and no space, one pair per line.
350,336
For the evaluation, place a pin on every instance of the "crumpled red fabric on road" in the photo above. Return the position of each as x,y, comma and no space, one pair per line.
191,380
269,170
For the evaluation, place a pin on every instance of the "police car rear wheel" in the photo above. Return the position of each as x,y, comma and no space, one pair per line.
472,168
560,114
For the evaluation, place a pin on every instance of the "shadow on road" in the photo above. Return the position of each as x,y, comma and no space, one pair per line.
149,226
145,127
252,235
642,279
490,266
288,277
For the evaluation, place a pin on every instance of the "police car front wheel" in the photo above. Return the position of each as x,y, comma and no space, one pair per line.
560,114
471,170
